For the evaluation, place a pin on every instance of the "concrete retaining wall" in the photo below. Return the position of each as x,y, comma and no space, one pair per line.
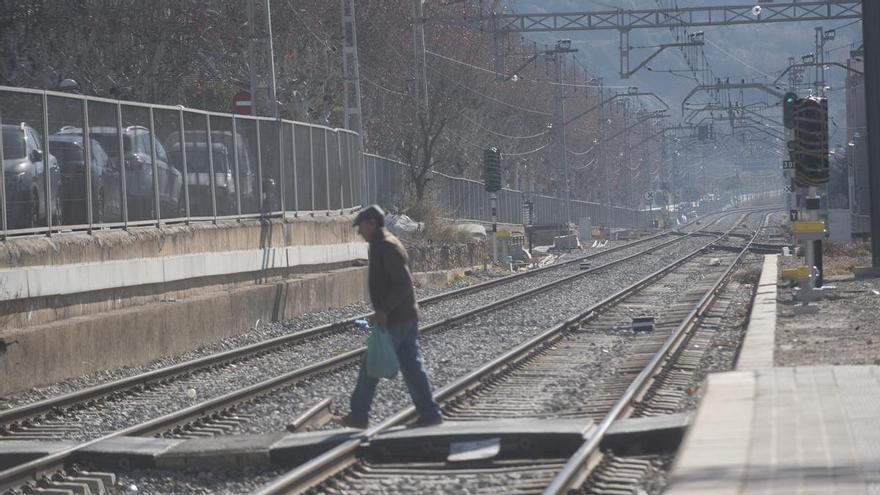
129,337
171,240
76,304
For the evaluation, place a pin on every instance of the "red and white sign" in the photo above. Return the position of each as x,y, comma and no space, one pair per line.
242,103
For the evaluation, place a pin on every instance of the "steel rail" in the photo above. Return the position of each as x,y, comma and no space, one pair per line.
573,470
314,471
35,469
46,405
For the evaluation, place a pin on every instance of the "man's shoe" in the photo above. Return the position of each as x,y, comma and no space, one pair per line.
428,422
349,422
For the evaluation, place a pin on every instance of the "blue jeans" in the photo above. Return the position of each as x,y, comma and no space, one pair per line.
406,343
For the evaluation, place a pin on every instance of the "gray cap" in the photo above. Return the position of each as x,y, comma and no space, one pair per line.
372,212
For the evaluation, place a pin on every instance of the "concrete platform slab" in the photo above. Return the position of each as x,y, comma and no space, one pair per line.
127,452
800,430
219,453
760,340
13,452
649,435
519,438
296,448
223,452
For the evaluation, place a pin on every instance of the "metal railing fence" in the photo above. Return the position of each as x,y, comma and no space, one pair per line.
153,164
466,199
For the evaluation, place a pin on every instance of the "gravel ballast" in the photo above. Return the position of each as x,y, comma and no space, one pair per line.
262,331
473,342
151,481
448,354
456,350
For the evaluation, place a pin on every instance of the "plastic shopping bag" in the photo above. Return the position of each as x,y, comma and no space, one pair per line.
381,355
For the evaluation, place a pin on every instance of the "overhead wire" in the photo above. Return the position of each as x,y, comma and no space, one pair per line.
734,57
524,153
505,136
581,153
479,146
495,73
454,81
472,90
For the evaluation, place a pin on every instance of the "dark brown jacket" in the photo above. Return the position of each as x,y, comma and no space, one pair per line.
391,286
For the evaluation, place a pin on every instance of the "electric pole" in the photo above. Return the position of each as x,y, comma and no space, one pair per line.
273,97
871,35
420,67
251,52
559,132
351,70
562,47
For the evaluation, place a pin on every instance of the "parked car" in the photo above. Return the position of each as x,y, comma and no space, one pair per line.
138,164
198,168
106,199
246,181
24,167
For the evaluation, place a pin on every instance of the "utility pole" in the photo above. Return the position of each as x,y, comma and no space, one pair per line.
821,37
562,47
819,69
273,97
251,53
606,183
351,70
871,36
626,157
420,68
559,133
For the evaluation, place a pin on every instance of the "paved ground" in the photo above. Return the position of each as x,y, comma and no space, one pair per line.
804,430
806,426
845,331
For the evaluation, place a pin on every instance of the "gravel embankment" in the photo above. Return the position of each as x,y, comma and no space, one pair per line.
175,395
843,332
452,352
444,309
154,481
473,342
260,332
730,330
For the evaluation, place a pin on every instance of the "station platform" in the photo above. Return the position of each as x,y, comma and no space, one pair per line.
764,429
800,430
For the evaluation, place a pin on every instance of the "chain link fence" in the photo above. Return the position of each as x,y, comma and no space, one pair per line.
466,199
152,164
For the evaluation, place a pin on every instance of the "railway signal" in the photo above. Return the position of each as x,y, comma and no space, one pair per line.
810,146
492,169
790,103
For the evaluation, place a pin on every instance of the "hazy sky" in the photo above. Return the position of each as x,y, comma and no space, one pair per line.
739,52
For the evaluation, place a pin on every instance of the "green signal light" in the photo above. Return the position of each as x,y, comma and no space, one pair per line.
790,103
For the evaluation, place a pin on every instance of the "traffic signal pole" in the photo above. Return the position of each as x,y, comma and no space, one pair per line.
494,204
870,21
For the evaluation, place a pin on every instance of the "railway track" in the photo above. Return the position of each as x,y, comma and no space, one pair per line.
53,418
548,377
21,422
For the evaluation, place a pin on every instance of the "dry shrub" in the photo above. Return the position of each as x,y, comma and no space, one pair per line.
437,229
